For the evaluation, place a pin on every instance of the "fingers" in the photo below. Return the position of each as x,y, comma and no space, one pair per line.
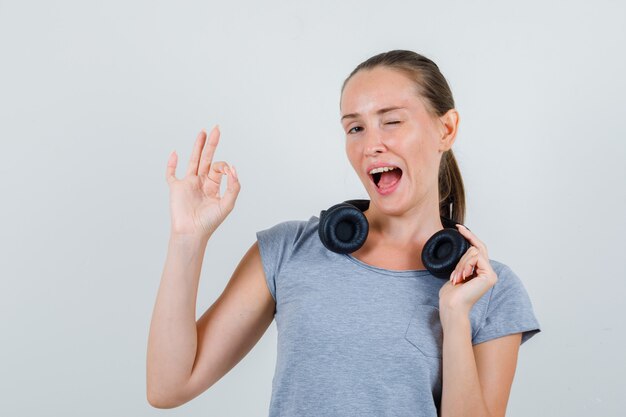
209,151
467,234
218,168
232,188
170,171
192,169
466,265
469,262
474,262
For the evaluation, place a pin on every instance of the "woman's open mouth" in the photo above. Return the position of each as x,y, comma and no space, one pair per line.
386,179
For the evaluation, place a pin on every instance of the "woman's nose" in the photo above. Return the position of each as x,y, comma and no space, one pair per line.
374,142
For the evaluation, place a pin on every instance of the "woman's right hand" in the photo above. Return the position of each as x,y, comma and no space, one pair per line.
196,207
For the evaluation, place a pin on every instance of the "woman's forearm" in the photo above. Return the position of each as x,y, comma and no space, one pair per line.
172,341
461,393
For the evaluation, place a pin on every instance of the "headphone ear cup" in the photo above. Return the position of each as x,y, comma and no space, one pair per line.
443,251
343,228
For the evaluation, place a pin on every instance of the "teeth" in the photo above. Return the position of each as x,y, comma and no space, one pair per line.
381,169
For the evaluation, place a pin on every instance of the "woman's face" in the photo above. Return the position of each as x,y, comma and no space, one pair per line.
387,124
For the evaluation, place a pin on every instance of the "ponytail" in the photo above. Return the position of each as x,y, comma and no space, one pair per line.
451,190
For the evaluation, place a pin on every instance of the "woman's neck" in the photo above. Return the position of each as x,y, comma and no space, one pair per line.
412,227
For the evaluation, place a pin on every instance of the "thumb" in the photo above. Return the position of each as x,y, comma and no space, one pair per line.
170,171
232,188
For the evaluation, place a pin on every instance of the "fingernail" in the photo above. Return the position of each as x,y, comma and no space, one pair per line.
235,172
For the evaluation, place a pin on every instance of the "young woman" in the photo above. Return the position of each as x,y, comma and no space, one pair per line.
367,333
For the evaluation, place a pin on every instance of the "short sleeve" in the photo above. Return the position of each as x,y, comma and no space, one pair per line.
275,246
508,311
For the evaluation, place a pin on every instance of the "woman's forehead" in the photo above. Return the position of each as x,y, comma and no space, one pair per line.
369,91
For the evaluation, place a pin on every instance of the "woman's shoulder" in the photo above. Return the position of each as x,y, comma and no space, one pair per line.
294,225
509,308
500,267
291,230
509,284
279,243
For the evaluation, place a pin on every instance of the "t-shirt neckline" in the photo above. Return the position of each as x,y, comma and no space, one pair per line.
392,272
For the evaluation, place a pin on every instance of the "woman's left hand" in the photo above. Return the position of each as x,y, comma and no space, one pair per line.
470,280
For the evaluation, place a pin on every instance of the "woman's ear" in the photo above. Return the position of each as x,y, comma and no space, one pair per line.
449,123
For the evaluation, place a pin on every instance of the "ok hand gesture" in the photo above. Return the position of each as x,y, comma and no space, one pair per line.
196,207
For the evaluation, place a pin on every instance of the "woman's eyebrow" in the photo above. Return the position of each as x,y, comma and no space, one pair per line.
349,116
381,111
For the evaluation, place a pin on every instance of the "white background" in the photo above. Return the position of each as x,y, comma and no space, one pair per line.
95,95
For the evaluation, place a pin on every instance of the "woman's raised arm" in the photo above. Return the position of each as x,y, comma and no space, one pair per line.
184,358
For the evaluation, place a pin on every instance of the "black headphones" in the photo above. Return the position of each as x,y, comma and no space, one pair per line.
343,229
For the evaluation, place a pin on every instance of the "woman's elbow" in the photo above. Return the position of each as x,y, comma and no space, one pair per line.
157,400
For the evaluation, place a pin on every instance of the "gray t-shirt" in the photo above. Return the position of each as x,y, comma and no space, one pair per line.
358,340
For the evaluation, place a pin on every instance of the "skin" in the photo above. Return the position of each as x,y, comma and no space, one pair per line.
385,120
186,356
408,138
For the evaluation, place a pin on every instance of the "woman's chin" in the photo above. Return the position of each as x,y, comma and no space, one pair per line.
390,202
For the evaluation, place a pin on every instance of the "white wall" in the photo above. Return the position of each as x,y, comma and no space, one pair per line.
95,95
